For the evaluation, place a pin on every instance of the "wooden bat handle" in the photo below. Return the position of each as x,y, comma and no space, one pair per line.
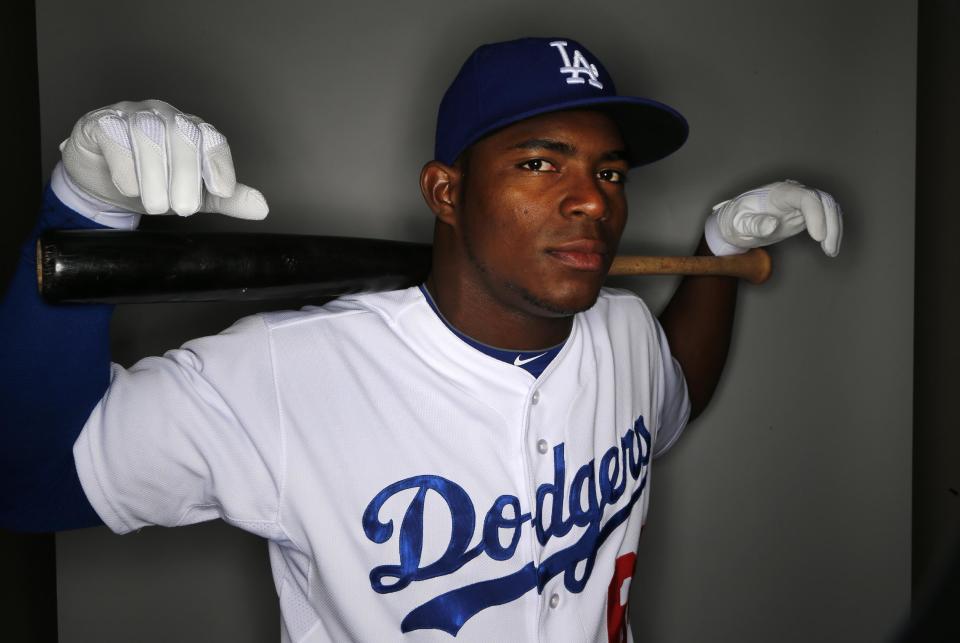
754,266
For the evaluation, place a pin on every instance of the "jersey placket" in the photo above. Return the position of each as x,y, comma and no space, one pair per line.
544,432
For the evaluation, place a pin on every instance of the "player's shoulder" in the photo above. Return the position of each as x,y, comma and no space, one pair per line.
621,316
377,307
359,316
618,294
617,301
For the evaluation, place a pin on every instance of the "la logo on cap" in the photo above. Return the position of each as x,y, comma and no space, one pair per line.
577,67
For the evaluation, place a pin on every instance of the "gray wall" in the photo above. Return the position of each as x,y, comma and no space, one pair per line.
784,513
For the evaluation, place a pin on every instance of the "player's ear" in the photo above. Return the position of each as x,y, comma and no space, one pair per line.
440,185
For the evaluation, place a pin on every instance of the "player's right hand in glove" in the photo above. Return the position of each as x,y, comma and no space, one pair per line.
148,157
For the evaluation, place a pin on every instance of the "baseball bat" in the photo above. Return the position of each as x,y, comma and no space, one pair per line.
113,266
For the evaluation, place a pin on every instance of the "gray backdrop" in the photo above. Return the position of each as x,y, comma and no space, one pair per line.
784,513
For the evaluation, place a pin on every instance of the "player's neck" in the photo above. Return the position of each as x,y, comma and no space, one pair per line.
486,320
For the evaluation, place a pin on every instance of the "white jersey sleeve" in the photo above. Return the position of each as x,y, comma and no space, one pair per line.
675,406
190,436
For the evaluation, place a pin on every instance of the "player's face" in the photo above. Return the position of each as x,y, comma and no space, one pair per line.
542,210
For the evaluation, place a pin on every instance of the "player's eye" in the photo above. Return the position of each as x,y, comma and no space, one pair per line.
613,176
538,165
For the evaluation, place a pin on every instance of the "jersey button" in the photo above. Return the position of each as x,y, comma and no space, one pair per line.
535,398
542,446
554,600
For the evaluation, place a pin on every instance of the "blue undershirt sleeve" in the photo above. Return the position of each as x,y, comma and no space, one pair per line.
55,367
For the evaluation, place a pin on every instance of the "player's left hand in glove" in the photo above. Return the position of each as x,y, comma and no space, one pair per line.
148,157
773,213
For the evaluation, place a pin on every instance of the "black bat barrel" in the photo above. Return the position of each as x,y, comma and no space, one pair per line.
114,266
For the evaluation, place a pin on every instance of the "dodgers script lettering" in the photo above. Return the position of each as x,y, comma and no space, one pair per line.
601,486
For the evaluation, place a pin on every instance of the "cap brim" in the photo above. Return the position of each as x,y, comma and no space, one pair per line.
651,130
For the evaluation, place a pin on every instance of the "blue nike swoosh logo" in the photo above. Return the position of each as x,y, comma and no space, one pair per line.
521,362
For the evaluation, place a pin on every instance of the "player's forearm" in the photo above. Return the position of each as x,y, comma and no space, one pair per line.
54,365
698,323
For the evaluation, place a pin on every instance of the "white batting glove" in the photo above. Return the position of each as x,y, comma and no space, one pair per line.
773,213
148,157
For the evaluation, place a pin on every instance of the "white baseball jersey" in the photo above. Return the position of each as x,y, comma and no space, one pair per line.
412,488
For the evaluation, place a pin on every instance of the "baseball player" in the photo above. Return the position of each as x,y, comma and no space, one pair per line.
468,458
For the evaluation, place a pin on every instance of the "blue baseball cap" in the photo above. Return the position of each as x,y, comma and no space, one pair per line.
505,82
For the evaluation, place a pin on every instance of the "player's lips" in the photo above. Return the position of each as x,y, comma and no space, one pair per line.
581,254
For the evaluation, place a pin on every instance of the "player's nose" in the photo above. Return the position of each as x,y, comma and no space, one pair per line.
585,197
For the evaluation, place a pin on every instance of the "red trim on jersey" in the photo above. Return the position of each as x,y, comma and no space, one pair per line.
617,621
